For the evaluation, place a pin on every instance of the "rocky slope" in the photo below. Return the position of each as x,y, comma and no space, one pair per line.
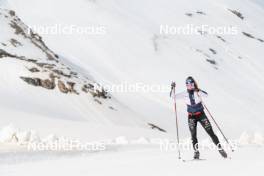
45,68
36,82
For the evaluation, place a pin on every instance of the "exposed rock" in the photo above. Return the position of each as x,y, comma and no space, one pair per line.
18,29
261,40
46,65
53,77
87,87
31,60
213,51
48,84
221,38
237,13
74,73
84,89
62,87
96,100
197,12
213,62
21,29
32,81
34,70
12,13
248,35
53,72
59,72
15,43
71,87
201,13
90,86
112,108
100,94
152,126
202,52
3,53
253,37
189,14
71,84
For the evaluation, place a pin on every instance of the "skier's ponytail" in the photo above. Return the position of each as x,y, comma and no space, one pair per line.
196,86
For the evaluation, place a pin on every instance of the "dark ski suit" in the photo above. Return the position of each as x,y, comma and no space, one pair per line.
196,114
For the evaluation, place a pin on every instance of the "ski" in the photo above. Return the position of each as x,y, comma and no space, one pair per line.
194,160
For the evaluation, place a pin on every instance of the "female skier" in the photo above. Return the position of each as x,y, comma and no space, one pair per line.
196,114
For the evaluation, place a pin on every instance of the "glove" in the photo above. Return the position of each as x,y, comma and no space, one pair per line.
173,85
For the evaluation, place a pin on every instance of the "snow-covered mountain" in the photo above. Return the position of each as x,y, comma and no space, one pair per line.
132,50
57,59
39,85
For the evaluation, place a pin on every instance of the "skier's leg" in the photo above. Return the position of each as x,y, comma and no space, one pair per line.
192,122
208,128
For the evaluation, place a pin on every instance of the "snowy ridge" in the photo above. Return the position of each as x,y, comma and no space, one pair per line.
32,72
41,61
12,135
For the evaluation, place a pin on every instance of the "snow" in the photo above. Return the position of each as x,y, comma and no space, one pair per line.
131,50
258,139
259,2
141,156
136,161
113,58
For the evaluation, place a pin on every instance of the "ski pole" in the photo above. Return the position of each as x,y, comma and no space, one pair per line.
173,85
215,122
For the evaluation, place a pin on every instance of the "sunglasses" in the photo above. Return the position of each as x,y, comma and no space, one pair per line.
190,85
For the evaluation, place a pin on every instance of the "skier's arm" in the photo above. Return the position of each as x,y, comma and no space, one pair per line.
202,93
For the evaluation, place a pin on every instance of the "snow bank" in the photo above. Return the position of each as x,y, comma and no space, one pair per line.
141,140
244,139
258,139
10,134
255,138
122,140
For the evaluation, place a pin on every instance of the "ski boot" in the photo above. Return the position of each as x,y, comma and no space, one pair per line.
223,153
196,155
